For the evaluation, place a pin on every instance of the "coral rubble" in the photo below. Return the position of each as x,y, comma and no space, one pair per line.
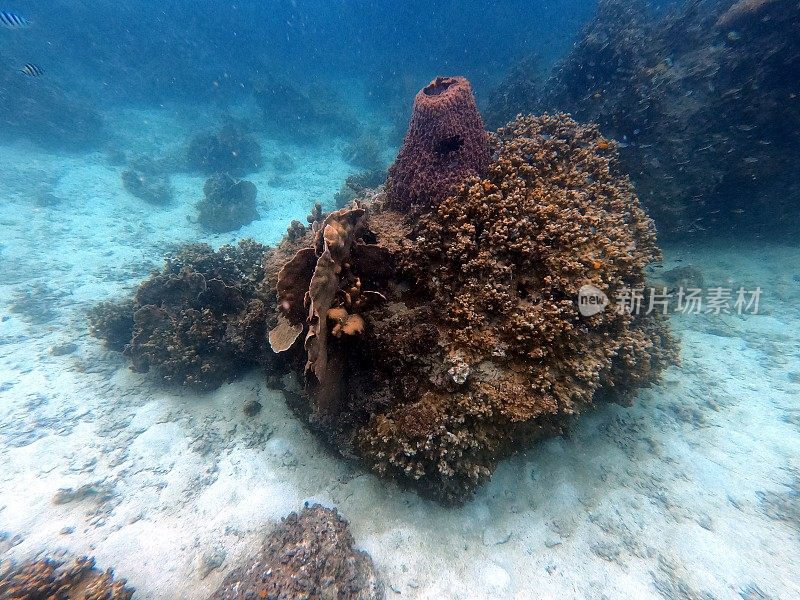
230,150
310,555
439,340
199,321
445,144
49,579
228,204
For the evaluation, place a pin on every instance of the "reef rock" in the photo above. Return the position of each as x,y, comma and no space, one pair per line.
446,143
228,204
310,555
76,579
198,322
469,344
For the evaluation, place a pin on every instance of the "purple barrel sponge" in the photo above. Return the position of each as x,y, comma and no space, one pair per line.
446,144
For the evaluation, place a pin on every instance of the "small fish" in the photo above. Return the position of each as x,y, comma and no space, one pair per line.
11,20
734,36
32,70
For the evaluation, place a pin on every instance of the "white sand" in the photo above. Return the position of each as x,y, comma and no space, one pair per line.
658,500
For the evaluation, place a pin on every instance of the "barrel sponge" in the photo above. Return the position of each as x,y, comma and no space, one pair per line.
446,143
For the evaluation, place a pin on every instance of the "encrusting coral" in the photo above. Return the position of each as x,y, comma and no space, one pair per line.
199,321
310,555
446,143
469,344
502,356
49,579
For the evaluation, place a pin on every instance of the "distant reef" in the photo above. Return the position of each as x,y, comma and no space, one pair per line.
432,324
702,102
302,112
231,150
228,204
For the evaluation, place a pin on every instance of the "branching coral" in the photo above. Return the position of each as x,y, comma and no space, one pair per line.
48,579
198,321
309,555
113,323
445,144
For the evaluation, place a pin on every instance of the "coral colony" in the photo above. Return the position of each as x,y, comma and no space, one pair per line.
434,325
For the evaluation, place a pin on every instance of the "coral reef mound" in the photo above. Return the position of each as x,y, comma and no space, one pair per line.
49,579
469,344
446,143
310,555
231,150
199,321
228,204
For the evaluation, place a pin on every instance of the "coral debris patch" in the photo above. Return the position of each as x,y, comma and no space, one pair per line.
309,555
50,579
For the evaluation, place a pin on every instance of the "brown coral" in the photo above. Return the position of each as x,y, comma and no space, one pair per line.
479,348
325,277
503,259
310,555
198,321
446,143
48,579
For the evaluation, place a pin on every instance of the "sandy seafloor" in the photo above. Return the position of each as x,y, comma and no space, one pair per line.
694,492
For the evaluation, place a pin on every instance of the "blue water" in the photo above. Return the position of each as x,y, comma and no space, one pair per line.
692,492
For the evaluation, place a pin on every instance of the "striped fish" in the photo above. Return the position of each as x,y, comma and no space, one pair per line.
32,70
11,20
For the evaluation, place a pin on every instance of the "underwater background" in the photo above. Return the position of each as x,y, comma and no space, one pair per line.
129,130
